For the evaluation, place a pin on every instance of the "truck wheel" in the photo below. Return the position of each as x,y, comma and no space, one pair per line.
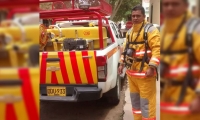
113,96
34,55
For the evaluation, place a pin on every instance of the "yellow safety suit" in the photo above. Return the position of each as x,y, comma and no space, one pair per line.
142,88
177,70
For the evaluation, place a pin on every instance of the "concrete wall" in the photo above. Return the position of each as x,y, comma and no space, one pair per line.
154,12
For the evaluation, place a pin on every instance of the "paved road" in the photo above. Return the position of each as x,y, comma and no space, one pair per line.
94,110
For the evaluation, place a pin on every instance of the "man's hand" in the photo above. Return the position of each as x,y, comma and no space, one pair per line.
150,71
195,105
120,69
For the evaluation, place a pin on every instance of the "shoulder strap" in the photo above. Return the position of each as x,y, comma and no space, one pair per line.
127,43
146,28
129,32
191,25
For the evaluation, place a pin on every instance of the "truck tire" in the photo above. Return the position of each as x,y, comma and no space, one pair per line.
113,96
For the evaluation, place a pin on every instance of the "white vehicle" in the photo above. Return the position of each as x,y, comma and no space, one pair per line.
79,60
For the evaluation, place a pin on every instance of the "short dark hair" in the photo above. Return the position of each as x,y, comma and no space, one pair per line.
139,7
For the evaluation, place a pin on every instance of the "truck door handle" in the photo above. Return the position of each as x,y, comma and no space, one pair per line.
86,56
52,59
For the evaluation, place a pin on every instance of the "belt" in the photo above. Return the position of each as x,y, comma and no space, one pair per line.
135,43
134,59
137,60
180,83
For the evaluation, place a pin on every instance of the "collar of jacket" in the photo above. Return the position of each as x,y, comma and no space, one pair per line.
136,27
171,25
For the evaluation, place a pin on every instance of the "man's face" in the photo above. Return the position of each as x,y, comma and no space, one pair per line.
137,17
173,8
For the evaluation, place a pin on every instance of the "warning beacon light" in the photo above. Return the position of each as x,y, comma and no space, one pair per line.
84,6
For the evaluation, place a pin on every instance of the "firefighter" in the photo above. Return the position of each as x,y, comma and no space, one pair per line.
180,62
141,57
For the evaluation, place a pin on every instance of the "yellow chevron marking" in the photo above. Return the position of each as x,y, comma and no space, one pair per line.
7,74
35,85
93,66
20,107
48,77
81,67
51,64
58,73
2,110
59,77
69,68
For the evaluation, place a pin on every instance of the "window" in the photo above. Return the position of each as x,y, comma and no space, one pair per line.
114,29
118,31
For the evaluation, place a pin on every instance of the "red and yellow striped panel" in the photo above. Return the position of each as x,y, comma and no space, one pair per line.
26,108
73,68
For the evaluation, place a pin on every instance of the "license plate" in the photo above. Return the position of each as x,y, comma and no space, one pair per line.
56,91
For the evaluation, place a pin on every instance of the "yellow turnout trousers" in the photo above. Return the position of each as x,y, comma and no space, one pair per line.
143,97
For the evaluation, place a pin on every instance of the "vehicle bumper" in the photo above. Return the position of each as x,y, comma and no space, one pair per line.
75,93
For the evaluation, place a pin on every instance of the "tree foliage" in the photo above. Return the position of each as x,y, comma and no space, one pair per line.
122,8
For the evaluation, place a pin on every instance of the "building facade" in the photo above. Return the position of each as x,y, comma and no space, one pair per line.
154,12
145,4
193,6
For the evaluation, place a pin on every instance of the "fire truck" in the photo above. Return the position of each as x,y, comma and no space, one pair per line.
79,53
19,74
